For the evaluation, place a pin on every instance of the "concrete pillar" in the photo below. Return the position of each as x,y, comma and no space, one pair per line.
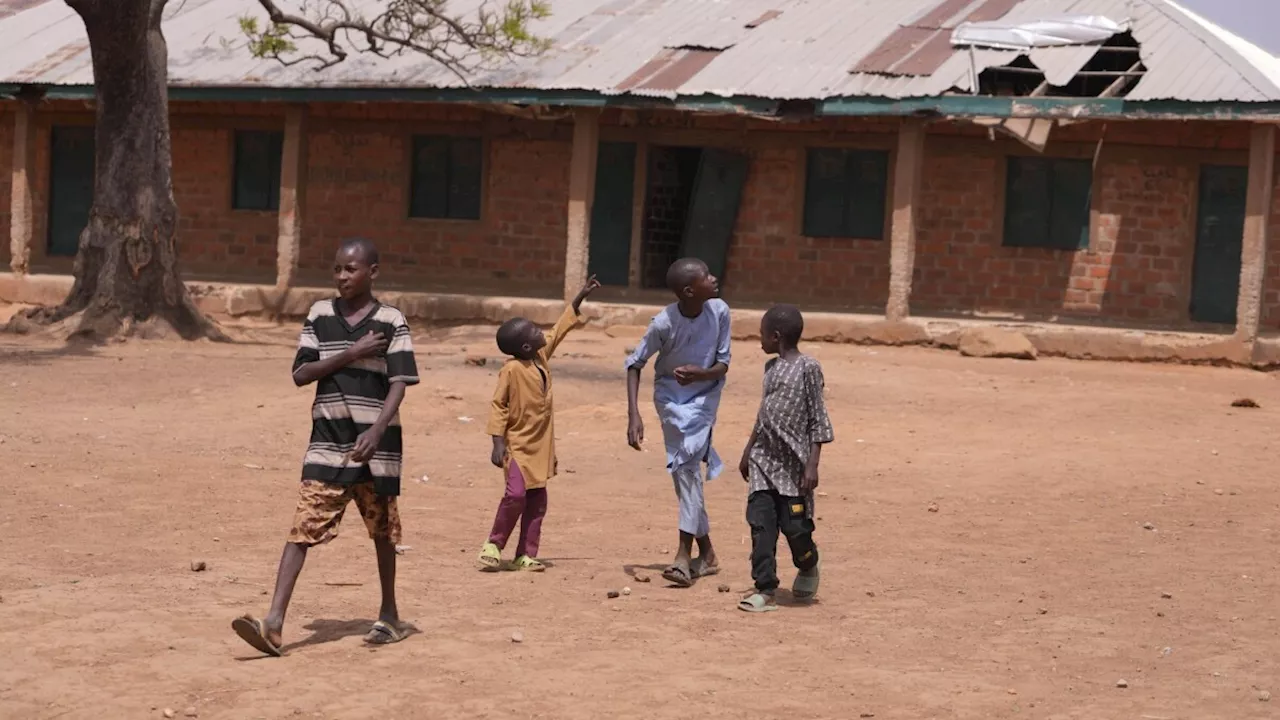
293,183
1253,255
582,187
902,235
22,191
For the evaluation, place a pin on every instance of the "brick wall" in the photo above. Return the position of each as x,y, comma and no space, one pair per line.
1136,268
358,185
770,261
213,239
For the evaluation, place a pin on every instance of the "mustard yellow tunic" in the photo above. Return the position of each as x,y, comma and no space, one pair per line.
521,409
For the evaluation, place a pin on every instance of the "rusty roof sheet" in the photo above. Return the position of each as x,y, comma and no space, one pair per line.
803,49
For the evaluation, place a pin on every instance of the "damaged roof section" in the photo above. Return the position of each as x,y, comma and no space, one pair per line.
1081,57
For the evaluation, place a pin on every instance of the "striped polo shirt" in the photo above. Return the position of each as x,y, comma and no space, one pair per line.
349,401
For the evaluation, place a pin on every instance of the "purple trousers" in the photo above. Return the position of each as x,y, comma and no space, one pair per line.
519,504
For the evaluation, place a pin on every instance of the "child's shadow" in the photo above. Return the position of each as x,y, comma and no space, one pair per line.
327,631
630,569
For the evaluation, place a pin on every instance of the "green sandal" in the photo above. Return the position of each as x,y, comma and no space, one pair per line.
490,559
528,564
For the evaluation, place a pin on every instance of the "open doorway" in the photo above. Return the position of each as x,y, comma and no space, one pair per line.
671,177
690,197
691,207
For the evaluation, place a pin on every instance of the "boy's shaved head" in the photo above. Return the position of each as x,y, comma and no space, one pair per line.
787,321
684,272
512,336
363,247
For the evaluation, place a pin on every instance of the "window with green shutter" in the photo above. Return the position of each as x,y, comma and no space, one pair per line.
844,193
446,177
257,170
1047,203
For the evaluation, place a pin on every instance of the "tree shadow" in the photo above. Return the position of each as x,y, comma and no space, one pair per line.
37,356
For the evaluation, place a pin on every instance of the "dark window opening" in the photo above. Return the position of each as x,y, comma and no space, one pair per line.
446,180
845,193
257,170
1047,203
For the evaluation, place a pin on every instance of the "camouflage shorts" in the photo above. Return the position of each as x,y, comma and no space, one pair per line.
321,506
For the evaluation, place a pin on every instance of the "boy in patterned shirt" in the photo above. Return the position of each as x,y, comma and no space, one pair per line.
780,461
359,354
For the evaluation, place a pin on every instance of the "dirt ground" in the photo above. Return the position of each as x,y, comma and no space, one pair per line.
1001,540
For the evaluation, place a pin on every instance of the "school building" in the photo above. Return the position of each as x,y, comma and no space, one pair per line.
855,156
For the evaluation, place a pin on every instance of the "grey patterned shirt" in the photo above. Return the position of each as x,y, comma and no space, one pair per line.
792,417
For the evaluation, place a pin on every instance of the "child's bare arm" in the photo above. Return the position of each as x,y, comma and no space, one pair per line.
649,345
744,465
568,321
635,425
809,482
367,442
369,345
820,430
592,285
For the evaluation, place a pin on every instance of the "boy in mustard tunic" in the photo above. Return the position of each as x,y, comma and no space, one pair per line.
524,434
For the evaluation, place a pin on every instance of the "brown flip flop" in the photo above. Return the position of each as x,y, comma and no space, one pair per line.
678,576
254,631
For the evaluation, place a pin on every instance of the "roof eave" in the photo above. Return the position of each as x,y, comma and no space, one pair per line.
962,106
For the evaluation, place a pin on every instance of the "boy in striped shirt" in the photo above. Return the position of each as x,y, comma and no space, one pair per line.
359,354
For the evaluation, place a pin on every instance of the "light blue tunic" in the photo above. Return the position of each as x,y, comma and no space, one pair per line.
687,412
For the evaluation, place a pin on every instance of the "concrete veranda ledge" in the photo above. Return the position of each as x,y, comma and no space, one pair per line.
233,300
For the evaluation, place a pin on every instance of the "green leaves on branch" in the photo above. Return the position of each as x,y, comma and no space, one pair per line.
324,32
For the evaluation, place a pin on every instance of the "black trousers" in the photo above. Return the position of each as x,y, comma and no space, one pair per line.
767,514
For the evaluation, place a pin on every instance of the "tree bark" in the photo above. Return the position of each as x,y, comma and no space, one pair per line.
126,271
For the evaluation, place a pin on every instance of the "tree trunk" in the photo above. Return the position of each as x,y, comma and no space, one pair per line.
126,272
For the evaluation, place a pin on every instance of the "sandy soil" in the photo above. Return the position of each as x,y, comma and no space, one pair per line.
1028,591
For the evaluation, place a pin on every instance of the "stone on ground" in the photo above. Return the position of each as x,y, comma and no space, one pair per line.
989,342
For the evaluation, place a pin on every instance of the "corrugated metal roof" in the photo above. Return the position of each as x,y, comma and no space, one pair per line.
807,49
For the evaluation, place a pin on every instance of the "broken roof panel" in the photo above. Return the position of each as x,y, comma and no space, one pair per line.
806,50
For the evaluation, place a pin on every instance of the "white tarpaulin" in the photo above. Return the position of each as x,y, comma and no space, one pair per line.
1049,32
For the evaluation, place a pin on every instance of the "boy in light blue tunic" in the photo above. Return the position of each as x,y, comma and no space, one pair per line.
691,338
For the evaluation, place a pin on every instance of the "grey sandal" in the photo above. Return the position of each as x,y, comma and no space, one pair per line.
805,586
758,603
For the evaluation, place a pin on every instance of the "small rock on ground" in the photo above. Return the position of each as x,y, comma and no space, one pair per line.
723,588
517,637
1122,683
1245,403
167,713
477,360
199,566
1264,696
612,594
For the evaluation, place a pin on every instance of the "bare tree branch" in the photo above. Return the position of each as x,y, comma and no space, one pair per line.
460,44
